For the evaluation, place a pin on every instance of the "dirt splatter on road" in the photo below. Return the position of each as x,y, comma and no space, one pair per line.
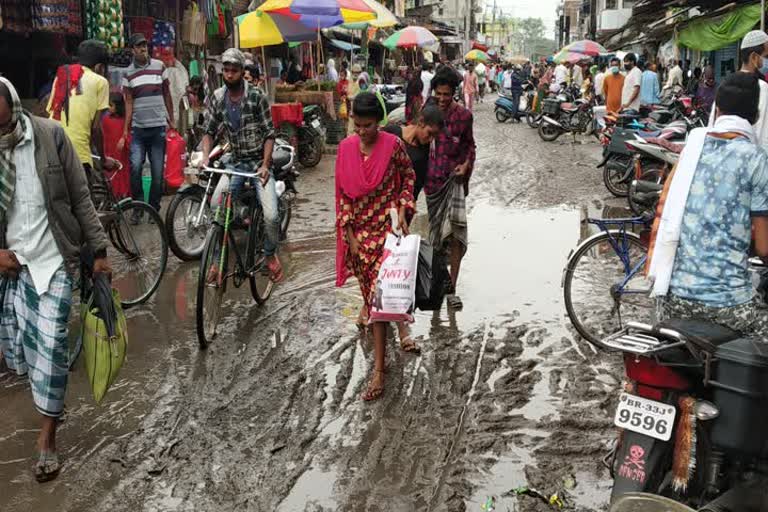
503,395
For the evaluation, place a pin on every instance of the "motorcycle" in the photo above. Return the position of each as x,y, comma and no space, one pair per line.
692,416
190,212
533,118
617,163
394,97
565,117
311,137
653,161
505,107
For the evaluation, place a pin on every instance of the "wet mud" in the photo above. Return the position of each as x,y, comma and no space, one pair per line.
504,394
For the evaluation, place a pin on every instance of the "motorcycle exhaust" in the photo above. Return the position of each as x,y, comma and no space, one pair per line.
744,498
551,121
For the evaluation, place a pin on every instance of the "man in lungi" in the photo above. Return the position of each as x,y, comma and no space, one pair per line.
46,214
447,184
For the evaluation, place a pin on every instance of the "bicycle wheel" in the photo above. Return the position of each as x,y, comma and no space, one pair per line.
141,252
255,262
211,285
604,285
186,236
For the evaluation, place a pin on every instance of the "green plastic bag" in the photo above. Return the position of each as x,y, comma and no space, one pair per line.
104,354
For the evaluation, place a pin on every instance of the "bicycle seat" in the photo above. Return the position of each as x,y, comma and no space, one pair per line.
705,335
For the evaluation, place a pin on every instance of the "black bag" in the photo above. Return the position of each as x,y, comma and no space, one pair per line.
431,276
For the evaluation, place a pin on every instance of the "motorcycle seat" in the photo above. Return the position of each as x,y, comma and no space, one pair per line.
649,135
705,335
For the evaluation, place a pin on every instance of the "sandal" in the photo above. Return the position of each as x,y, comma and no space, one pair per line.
454,302
275,270
373,393
47,467
409,346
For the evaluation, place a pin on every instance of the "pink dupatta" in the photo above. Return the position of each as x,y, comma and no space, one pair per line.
356,178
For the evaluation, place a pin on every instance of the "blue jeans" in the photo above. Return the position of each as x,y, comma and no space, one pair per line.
515,103
267,195
148,142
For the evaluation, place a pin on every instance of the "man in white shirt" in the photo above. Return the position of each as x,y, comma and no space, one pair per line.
599,77
754,61
561,77
675,78
426,79
508,80
630,94
577,77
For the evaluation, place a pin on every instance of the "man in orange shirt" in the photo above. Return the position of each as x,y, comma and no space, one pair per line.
613,83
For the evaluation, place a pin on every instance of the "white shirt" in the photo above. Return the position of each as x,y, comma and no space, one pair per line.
599,83
561,75
426,79
28,232
578,77
508,79
675,77
631,81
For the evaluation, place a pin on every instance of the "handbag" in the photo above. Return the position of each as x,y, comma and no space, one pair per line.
104,334
431,276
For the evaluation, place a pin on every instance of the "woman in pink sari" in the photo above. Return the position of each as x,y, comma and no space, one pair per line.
470,88
373,175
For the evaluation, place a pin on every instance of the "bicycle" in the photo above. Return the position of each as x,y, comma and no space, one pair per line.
141,251
608,265
216,259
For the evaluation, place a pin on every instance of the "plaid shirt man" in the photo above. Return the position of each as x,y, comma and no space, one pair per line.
255,128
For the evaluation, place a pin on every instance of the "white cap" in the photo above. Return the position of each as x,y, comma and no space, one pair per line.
754,38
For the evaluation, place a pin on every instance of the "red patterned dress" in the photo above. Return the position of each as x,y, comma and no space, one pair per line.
368,216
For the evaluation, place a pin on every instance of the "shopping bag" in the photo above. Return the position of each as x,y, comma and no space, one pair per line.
175,156
431,276
104,335
395,292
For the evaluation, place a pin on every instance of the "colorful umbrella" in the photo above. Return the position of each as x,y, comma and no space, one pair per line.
587,47
572,57
476,55
384,18
410,37
263,29
322,13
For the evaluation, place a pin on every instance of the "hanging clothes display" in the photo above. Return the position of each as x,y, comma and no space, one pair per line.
104,21
163,42
142,25
75,18
50,16
193,25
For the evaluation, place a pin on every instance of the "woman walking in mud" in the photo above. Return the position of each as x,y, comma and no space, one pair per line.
373,175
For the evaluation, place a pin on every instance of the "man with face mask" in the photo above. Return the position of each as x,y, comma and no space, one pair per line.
79,97
243,110
613,83
630,93
148,111
754,61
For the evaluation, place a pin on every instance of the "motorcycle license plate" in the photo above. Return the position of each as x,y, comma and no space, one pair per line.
648,417
315,123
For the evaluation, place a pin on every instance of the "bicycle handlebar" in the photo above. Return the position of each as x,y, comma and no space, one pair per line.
119,164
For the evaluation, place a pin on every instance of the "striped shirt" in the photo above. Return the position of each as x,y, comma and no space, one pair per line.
145,83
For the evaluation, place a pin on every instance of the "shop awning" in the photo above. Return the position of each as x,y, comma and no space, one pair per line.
343,45
713,34
451,40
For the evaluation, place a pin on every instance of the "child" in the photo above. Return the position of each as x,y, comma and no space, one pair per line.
112,125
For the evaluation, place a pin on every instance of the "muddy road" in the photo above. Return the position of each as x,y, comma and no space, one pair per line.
503,395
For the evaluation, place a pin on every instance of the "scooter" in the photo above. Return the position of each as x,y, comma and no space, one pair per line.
505,105
691,416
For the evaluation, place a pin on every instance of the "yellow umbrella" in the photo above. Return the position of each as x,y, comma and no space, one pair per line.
476,55
384,18
262,29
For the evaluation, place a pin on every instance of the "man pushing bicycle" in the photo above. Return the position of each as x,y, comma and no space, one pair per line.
244,111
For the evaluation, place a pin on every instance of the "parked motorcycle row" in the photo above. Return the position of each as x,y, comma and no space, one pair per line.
640,150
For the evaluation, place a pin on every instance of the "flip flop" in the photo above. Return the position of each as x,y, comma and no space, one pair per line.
454,302
47,467
409,346
275,270
372,394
